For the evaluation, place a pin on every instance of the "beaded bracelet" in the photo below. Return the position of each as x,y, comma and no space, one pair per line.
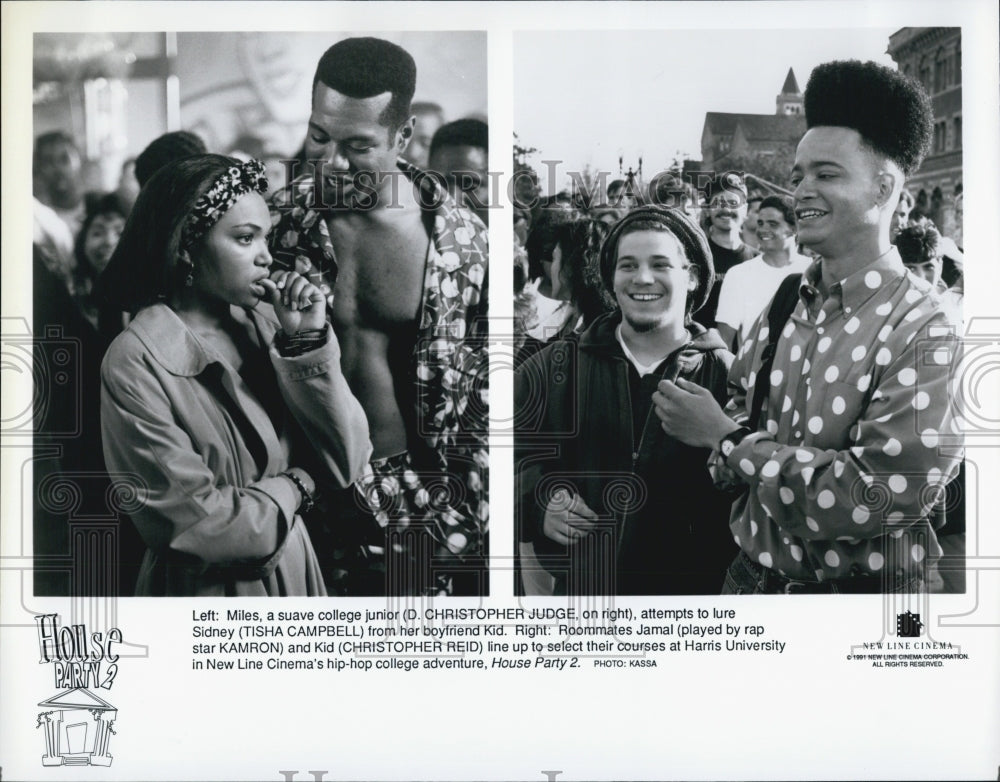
306,504
292,345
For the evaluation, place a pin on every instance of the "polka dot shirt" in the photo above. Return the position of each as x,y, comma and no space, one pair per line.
856,439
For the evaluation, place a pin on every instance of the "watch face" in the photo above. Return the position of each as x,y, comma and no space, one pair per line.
727,447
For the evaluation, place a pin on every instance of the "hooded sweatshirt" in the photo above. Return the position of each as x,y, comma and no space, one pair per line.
662,526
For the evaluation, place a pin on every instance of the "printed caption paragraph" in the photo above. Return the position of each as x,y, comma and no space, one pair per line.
496,639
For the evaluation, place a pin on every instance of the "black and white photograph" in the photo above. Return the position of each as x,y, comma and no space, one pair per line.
717,432
191,458
726,308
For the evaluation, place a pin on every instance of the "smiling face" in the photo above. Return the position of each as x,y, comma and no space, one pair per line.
101,239
348,135
772,229
838,206
727,210
652,280
233,257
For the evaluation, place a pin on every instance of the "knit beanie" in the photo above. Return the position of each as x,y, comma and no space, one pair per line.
687,232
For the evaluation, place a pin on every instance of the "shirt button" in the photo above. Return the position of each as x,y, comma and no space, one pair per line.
820,329
847,310
798,435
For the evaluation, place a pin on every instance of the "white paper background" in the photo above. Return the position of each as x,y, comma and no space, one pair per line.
807,713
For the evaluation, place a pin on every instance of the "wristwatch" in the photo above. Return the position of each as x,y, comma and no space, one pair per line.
728,443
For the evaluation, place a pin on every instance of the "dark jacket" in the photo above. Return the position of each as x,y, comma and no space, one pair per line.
662,522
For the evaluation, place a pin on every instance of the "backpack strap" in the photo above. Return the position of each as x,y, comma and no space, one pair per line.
782,306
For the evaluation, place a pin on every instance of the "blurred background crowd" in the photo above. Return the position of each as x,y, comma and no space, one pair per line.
736,184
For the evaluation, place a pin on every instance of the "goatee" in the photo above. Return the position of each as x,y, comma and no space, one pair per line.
641,327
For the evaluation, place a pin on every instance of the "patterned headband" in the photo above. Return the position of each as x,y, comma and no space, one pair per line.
225,191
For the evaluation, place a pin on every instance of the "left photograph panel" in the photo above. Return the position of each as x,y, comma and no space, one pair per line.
259,331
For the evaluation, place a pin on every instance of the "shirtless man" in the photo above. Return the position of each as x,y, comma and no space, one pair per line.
404,271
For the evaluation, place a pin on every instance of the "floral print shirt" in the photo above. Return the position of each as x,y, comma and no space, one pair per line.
450,361
856,438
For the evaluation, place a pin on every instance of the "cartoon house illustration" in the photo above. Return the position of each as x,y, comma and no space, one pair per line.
78,728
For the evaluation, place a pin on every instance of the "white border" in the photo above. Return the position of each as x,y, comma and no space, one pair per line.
806,714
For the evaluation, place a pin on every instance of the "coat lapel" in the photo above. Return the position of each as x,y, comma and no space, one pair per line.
179,351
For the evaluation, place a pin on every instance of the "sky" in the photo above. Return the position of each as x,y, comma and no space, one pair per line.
584,98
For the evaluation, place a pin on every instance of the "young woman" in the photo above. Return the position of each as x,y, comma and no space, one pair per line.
73,305
98,237
562,253
575,274
223,401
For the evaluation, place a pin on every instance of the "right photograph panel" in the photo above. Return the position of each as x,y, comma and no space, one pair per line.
738,298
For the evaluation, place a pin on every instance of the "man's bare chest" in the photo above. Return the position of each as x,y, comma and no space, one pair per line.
380,273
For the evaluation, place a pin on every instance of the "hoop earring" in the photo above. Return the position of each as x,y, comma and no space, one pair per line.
189,280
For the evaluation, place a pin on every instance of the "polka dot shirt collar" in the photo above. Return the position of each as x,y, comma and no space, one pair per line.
857,288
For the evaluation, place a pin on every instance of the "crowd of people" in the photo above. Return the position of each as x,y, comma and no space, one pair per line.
709,379
294,377
294,388
760,250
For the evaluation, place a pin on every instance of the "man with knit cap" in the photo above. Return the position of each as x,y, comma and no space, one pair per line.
849,454
612,503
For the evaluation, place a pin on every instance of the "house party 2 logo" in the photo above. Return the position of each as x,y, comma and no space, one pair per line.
78,724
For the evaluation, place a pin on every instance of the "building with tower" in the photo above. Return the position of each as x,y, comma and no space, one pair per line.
933,56
763,141
789,100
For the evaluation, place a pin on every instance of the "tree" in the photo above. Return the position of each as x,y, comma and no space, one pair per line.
774,168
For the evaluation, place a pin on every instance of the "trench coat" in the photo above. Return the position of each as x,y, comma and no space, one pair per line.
204,446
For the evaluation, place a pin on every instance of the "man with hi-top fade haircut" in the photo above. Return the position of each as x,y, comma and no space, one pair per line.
404,270
847,459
